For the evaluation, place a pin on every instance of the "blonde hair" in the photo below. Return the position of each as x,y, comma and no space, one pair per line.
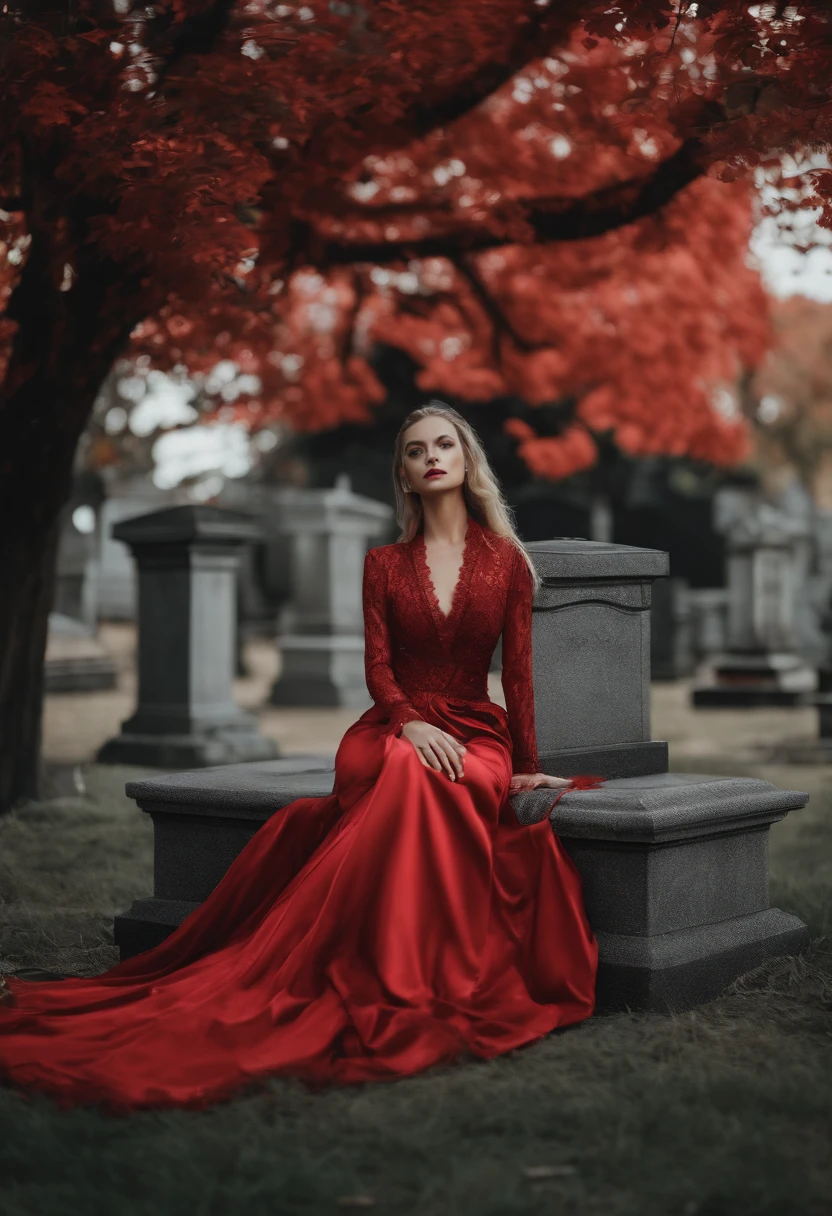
483,497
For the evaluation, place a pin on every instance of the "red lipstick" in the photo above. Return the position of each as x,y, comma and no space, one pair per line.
434,473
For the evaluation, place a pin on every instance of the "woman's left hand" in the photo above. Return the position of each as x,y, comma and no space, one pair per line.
536,781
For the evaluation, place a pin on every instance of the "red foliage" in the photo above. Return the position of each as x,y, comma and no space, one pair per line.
214,151
642,325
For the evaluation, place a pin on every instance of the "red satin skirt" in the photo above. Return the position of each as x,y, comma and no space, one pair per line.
403,921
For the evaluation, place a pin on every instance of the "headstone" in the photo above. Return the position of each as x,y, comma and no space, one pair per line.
75,660
187,565
75,576
671,653
116,572
708,607
674,866
592,657
761,664
321,631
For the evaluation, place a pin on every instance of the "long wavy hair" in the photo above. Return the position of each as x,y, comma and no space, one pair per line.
483,497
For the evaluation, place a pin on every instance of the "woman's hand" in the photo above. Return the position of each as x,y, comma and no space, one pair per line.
435,748
536,781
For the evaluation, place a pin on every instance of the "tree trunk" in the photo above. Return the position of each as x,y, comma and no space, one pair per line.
28,565
63,349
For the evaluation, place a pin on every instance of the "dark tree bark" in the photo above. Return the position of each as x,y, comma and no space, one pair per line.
64,346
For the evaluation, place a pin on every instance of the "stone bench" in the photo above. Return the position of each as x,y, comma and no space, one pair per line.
674,866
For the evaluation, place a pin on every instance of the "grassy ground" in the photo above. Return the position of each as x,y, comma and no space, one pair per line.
722,1110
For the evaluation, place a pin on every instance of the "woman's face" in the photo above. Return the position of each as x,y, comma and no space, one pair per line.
433,457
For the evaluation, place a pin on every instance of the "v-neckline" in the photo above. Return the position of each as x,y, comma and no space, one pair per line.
445,622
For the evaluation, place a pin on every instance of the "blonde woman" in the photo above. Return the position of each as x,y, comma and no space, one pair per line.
405,920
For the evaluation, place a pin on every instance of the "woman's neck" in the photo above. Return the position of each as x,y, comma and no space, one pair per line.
445,518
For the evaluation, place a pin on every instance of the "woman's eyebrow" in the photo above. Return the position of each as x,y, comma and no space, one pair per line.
419,442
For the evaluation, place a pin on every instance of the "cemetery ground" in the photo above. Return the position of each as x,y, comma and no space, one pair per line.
723,1109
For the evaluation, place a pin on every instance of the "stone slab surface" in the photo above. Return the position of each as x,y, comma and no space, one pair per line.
238,788
188,524
568,558
662,807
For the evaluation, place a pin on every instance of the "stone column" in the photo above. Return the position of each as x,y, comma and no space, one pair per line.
187,565
321,633
761,665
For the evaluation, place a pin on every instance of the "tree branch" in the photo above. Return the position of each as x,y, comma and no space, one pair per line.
549,220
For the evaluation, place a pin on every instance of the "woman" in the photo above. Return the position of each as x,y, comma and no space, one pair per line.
405,920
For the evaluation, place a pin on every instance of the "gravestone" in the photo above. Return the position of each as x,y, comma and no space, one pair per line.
321,631
761,664
75,660
592,658
674,866
708,608
116,586
187,566
671,653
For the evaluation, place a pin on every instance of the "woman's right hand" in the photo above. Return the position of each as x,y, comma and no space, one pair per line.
435,748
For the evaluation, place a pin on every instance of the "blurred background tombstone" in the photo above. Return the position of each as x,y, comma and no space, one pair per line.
116,571
75,660
187,559
321,630
765,574
708,608
671,643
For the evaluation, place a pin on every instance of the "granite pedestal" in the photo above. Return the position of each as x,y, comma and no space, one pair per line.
187,560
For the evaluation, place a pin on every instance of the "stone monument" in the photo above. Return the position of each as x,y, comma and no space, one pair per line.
187,566
671,641
321,632
75,660
761,664
674,866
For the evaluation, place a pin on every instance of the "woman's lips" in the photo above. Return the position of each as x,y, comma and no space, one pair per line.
434,473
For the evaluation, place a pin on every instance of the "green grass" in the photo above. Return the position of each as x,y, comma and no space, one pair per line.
722,1111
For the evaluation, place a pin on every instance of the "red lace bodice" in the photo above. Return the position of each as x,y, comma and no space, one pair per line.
414,651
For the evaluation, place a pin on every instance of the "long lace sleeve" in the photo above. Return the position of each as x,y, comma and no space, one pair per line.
517,668
378,670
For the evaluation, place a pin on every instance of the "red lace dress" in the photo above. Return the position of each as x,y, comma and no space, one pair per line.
403,921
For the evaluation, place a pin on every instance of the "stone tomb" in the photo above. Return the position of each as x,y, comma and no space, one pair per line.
674,866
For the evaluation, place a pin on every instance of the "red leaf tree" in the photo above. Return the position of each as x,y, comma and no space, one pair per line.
155,150
644,329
